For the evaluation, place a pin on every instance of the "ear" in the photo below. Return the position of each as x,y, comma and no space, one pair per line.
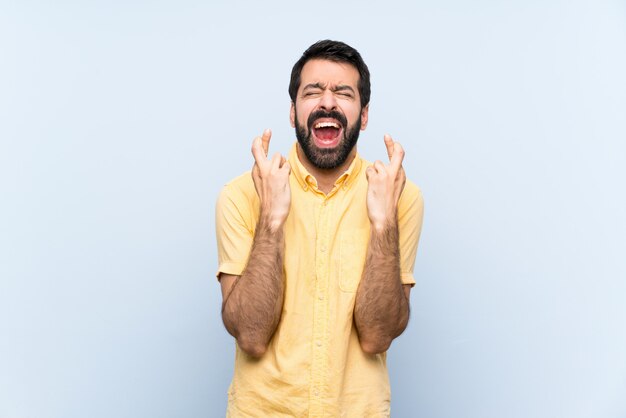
292,115
364,115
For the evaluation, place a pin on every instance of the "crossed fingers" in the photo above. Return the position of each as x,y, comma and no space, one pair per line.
260,149
395,152
260,146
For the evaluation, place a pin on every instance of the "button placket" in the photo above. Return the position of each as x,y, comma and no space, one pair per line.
319,362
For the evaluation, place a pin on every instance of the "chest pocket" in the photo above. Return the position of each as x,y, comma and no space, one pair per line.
353,248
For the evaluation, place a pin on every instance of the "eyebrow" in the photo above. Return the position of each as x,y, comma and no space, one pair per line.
318,85
343,87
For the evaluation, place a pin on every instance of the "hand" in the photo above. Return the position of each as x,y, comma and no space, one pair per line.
271,181
385,185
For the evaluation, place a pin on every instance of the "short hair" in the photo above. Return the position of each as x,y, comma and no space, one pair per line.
333,51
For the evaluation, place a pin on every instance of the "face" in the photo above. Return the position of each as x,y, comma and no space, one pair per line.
327,114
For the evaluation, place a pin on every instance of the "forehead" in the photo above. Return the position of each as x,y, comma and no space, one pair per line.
329,72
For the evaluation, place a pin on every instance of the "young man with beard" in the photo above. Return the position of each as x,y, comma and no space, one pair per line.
316,254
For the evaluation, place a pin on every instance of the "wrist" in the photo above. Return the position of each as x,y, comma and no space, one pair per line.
384,224
378,226
271,222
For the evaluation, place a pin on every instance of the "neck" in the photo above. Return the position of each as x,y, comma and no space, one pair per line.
326,177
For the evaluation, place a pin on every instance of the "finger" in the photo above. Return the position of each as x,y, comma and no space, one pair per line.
257,151
255,171
379,166
389,145
267,134
369,171
398,156
276,159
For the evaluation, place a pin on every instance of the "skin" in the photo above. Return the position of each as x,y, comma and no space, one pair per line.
328,85
252,302
381,311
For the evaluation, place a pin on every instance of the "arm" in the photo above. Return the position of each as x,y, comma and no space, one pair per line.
252,302
381,310
382,302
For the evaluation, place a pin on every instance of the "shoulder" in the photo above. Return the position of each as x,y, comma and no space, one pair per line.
239,191
241,185
411,201
411,191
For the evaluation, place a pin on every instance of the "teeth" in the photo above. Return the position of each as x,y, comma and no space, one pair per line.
326,125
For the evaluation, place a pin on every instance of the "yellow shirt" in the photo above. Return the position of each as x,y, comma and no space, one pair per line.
314,366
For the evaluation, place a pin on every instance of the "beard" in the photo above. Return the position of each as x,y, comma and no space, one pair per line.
327,158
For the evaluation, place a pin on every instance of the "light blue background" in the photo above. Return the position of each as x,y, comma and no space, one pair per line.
120,121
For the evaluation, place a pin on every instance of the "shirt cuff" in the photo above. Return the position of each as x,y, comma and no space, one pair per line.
230,267
407,278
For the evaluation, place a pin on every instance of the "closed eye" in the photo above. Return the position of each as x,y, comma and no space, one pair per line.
344,91
311,92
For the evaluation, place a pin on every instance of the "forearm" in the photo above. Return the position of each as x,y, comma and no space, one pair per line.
252,309
381,311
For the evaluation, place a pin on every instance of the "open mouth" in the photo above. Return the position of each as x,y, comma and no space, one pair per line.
327,133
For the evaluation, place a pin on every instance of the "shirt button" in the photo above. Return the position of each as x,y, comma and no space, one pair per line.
316,393
321,297
323,248
318,343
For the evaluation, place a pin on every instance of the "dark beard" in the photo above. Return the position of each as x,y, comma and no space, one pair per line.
328,158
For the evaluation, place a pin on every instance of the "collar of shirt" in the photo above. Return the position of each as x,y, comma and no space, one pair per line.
307,181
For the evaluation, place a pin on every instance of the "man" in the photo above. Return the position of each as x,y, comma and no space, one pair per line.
316,254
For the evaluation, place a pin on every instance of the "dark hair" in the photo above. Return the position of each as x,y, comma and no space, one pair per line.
333,51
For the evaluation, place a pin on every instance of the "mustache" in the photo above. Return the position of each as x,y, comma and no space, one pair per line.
324,114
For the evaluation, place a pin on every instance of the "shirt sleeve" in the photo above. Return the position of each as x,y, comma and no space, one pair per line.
234,230
410,216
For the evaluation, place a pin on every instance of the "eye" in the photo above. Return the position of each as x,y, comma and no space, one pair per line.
344,94
310,93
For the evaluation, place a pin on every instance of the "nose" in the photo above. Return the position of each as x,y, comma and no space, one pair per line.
328,101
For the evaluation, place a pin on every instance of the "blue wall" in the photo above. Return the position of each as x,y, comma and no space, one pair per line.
120,121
